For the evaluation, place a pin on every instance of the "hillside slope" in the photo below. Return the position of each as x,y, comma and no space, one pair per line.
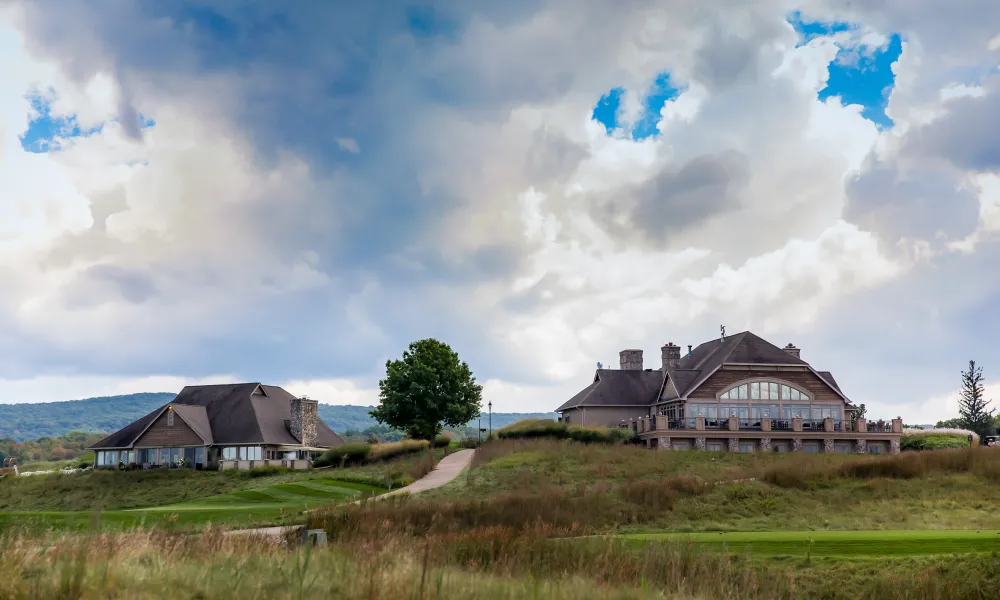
109,413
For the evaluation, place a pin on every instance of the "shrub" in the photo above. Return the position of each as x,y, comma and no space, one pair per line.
936,439
468,443
394,449
442,441
547,428
348,454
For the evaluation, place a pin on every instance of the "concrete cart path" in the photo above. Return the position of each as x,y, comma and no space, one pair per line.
444,472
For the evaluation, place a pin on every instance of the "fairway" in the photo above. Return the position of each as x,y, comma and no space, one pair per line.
261,506
873,543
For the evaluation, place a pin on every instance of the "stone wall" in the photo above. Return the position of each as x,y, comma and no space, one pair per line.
305,412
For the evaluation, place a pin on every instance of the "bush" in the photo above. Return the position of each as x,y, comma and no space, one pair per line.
547,428
401,448
467,443
348,454
442,441
936,439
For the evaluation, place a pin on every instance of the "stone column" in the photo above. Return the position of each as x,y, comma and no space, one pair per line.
861,446
797,424
765,444
663,443
828,445
894,446
765,424
734,444
734,424
699,443
699,423
828,424
796,445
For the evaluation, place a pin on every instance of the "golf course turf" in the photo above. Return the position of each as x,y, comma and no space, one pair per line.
262,506
870,543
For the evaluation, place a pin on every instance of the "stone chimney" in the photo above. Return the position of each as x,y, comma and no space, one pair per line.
303,422
791,349
631,360
670,354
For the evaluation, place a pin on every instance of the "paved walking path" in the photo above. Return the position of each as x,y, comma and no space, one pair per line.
444,472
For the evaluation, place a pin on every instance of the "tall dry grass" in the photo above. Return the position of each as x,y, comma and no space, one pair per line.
983,462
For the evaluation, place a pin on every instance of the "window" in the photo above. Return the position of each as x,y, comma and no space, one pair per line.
199,456
714,446
810,447
170,416
251,453
820,412
747,447
229,453
764,390
876,449
795,411
842,448
566,419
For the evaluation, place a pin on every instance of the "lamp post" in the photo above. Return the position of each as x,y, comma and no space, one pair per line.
479,429
490,406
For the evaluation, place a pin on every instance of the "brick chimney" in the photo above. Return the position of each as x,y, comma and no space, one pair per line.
303,421
670,354
791,349
631,360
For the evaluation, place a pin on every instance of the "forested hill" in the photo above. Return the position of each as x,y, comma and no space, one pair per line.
109,413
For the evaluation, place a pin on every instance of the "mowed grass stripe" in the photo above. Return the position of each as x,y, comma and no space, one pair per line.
838,543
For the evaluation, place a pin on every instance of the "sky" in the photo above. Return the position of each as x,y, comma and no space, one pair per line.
293,192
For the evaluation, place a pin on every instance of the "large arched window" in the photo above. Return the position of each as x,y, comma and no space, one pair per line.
765,390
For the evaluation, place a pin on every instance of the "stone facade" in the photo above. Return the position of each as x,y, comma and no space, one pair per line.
630,360
765,444
861,446
663,443
699,443
734,444
303,421
796,445
828,446
894,446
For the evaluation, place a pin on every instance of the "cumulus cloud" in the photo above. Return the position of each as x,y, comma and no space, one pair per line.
321,187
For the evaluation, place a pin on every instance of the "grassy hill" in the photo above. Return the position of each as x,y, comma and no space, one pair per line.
28,421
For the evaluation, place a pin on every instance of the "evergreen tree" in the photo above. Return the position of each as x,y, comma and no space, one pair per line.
972,405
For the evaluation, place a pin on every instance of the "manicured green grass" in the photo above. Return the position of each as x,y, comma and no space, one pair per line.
838,543
269,505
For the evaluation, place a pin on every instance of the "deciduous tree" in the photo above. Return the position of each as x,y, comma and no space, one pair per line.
427,388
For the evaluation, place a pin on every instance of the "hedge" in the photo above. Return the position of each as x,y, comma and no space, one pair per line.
536,428
936,439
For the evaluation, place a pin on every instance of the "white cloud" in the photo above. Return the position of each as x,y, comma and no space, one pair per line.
487,206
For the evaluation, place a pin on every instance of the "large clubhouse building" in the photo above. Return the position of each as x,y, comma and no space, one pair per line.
737,393
232,426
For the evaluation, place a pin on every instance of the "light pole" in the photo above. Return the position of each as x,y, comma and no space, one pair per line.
479,429
490,406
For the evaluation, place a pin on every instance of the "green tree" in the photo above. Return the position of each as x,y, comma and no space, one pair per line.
858,412
428,387
955,423
972,405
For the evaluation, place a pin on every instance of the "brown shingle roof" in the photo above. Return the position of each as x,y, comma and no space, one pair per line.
744,348
229,414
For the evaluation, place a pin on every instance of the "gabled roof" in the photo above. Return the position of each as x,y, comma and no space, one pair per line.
618,388
627,388
242,413
743,348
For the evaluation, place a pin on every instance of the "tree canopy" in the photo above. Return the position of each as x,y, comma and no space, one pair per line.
427,388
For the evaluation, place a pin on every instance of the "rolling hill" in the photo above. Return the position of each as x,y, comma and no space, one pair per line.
108,413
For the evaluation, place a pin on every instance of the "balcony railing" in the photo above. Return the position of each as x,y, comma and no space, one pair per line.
663,423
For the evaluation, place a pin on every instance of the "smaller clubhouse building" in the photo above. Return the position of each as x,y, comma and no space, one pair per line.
232,426
738,393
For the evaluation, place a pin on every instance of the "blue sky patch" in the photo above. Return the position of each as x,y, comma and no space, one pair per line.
606,110
858,76
45,129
